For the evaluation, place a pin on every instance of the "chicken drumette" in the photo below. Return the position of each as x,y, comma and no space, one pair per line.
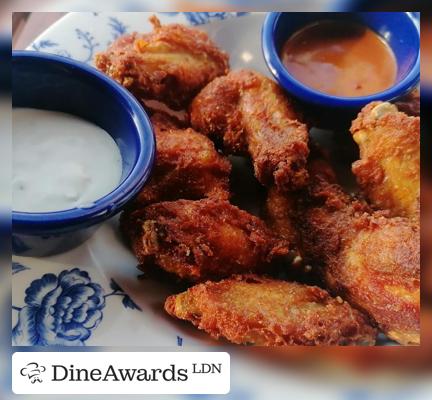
389,167
265,312
280,208
170,64
250,114
367,258
187,166
201,239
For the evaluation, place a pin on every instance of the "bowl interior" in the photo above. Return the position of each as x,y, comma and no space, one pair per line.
399,30
44,84
55,83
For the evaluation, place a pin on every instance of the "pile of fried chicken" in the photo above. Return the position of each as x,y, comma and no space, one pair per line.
363,249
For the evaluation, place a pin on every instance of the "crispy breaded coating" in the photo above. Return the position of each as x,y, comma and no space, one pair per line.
202,239
279,214
280,208
370,260
426,240
266,312
250,114
389,167
187,166
171,63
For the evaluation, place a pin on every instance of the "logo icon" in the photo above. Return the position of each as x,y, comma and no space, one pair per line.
33,371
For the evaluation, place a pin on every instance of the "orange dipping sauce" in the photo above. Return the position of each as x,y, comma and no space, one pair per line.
340,58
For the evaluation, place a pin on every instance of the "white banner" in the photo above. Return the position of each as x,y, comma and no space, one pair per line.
121,373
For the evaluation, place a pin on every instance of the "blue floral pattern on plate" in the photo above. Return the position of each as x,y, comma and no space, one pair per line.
60,310
63,309
85,37
118,291
89,44
18,267
50,46
118,28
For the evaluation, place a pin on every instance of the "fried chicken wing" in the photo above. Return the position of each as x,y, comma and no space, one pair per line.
265,312
249,113
280,208
187,166
202,239
170,64
389,167
367,258
279,214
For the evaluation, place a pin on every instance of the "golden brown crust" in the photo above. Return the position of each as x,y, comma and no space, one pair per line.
280,209
202,239
279,214
389,167
265,312
249,113
426,241
370,260
187,166
171,63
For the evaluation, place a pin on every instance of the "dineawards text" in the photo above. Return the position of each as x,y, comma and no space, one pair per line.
112,374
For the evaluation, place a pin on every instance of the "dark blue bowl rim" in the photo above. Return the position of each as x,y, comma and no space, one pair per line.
310,95
110,204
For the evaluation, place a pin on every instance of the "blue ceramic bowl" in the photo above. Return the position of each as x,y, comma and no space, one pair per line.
55,83
400,30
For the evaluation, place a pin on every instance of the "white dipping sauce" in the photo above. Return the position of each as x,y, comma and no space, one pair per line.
60,161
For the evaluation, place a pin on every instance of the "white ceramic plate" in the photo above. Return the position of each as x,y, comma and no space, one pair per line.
132,315
113,307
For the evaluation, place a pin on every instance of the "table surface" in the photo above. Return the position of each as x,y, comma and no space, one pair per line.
27,26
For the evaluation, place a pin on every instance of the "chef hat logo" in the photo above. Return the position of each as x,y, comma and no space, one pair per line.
33,371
